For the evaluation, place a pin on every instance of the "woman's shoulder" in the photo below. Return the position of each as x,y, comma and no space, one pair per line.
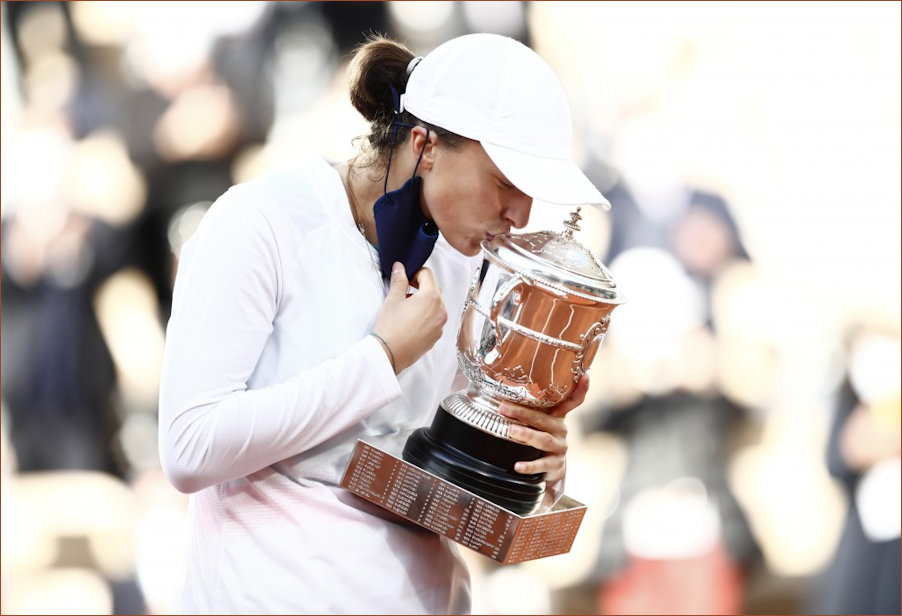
311,181
302,196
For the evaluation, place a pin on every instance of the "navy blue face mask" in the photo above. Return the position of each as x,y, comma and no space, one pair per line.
404,232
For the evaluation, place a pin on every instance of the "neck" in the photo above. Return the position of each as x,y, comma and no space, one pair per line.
362,195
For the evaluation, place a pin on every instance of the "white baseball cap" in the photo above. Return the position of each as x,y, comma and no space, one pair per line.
499,92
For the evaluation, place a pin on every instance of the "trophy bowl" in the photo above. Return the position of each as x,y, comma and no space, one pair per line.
534,318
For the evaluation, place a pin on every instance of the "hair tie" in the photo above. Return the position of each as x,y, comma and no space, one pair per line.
413,64
396,101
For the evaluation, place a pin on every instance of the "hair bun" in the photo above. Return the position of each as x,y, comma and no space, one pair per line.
378,65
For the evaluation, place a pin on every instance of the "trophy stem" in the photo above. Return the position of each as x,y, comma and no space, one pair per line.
477,461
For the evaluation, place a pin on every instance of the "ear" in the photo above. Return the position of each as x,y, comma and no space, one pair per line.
423,140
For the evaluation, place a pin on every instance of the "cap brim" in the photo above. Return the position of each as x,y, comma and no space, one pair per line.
550,180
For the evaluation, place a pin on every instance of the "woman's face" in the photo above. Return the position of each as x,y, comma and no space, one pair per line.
467,196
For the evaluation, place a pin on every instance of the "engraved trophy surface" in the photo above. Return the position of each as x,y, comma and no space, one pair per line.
533,321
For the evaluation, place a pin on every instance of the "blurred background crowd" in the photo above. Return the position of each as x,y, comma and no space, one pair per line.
740,448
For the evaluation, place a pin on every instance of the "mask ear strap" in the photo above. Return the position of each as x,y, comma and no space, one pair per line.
420,157
391,151
394,134
394,137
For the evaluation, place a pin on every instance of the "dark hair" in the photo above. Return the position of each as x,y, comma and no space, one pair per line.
378,65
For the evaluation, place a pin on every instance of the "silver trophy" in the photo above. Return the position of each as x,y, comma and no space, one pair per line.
533,321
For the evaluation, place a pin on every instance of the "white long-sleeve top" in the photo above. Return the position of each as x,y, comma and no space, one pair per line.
269,377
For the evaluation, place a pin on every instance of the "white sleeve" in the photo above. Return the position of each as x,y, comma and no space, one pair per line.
212,428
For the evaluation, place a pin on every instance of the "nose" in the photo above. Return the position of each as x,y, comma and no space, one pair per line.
517,210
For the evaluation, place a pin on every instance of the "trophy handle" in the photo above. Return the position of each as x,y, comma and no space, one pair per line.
589,343
507,299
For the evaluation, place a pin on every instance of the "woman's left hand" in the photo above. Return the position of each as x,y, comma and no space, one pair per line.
545,430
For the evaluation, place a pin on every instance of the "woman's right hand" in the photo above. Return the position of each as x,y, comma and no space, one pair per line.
411,325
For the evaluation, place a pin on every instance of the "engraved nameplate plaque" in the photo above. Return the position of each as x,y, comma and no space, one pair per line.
444,508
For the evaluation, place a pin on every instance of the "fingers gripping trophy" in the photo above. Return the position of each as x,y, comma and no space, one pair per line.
534,318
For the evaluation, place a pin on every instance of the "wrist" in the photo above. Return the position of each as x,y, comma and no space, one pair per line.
388,350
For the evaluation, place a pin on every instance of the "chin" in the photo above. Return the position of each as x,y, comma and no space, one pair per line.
469,248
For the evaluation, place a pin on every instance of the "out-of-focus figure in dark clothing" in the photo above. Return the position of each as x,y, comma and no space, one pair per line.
58,376
863,454
696,226
677,540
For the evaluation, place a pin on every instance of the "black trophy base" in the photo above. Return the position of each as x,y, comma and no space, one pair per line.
477,461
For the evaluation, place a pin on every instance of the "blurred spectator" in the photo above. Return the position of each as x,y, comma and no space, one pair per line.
678,540
864,455
58,377
694,225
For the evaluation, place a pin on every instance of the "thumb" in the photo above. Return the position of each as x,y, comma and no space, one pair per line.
399,283
425,280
